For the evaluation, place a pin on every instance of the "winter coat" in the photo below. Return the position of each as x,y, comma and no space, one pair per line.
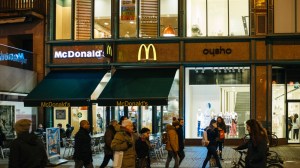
256,155
172,143
125,142
108,137
82,149
212,136
27,151
180,137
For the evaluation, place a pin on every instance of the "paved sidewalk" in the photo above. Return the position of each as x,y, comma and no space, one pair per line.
195,156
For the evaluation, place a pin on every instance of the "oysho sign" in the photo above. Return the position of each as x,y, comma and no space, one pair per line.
79,54
217,51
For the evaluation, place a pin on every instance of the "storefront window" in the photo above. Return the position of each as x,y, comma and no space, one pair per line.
281,23
63,19
127,23
213,92
221,15
102,19
168,18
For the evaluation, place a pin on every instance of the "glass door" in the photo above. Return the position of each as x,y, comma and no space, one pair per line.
293,123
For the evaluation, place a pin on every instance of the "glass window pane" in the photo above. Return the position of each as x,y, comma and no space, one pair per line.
213,92
196,18
83,18
128,12
217,18
63,19
102,19
278,109
238,18
168,18
284,16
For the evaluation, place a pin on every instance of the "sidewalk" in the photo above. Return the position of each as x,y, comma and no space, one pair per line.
195,156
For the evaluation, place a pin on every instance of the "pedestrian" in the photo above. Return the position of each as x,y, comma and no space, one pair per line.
296,127
108,137
122,119
142,148
172,144
257,145
290,125
124,140
69,130
62,133
82,150
212,135
27,150
222,130
2,137
181,153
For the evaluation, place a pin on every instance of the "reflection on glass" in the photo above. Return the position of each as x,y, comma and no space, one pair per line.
278,110
238,19
128,13
102,19
63,19
217,91
293,122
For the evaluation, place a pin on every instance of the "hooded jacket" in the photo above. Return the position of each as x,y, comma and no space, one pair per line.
27,151
172,144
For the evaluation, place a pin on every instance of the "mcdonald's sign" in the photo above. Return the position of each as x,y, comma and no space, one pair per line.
147,52
109,52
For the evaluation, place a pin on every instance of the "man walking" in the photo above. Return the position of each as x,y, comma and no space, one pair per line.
172,144
108,137
83,152
181,153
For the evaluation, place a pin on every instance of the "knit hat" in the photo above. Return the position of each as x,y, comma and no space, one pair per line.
144,130
126,122
22,125
175,123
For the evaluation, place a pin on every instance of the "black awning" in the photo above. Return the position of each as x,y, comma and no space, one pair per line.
138,87
65,88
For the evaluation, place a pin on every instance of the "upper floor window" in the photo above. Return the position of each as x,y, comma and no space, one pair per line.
85,22
286,16
148,18
217,18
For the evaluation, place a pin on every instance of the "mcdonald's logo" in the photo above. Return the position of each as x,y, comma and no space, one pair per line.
109,51
147,52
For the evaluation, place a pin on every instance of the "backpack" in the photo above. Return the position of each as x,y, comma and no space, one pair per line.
164,138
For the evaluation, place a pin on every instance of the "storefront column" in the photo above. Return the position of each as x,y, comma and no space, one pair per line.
154,120
49,117
90,117
259,101
108,115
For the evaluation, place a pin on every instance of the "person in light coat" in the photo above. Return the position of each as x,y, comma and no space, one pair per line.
172,145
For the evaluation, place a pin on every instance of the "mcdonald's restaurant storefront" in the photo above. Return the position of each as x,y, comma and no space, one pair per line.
153,82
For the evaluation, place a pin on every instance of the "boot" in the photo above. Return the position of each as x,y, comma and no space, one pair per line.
220,155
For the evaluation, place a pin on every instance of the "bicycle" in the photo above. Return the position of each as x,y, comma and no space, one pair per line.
273,139
273,160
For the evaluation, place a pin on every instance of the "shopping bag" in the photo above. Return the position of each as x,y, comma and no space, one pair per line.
118,157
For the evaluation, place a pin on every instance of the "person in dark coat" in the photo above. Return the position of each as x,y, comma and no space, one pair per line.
69,130
27,150
142,148
108,137
212,135
82,150
257,145
220,142
179,131
62,134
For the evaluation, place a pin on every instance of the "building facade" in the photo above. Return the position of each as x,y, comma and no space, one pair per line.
149,61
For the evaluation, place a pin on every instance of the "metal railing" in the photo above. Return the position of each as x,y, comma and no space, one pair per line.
38,6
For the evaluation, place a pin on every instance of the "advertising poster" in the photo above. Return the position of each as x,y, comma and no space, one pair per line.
53,142
127,10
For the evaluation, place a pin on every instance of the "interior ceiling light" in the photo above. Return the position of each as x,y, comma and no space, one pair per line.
203,70
196,70
169,31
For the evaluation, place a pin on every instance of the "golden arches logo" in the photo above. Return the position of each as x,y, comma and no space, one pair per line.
108,50
147,51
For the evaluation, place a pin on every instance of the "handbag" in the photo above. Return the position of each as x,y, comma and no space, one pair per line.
221,134
118,157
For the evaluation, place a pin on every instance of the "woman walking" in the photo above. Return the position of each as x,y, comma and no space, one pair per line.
222,131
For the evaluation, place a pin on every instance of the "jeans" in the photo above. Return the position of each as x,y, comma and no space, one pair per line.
220,146
181,155
106,160
171,155
212,150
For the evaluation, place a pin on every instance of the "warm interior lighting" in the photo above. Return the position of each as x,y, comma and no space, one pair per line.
169,31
